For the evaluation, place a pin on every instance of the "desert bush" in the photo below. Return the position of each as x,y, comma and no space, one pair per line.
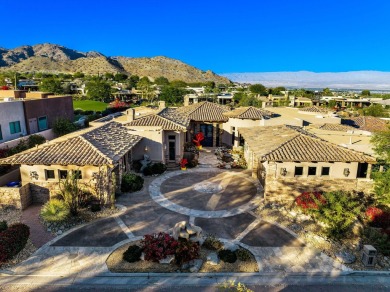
377,217
243,254
13,240
3,225
158,246
55,211
186,251
212,243
131,183
132,254
227,256
233,287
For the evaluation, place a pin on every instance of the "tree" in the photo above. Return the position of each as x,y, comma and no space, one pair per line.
178,83
133,81
277,90
258,89
147,91
98,89
161,80
172,95
119,77
327,92
78,75
375,110
51,84
63,126
250,101
366,92
381,141
108,76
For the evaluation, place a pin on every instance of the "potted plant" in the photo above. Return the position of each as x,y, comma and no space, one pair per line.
198,138
183,164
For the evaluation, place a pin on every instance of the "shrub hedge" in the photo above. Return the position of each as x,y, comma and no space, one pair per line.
132,254
227,256
131,183
13,240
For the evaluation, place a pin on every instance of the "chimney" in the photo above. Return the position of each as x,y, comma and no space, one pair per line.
130,114
186,100
161,105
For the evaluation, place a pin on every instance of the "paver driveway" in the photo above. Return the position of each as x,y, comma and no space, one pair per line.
218,201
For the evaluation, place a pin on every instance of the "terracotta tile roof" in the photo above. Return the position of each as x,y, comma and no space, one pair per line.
314,109
175,116
250,112
367,123
205,111
336,127
286,143
100,146
157,121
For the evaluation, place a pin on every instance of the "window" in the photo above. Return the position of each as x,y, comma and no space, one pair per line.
312,170
42,123
325,170
14,127
298,170
77,174
62,174
49,174
1,134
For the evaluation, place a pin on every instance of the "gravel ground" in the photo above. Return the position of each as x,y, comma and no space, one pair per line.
115,263
310,232
13,216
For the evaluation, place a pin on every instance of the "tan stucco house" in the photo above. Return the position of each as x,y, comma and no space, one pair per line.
289,160
96,151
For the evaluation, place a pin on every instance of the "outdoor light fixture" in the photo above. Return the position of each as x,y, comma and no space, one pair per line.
34,174
283,171
346,171
146,148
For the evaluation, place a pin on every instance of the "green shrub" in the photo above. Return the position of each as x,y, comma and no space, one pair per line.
131,183
155,168
212,243
338,213
13,240
55,211
35,140
96,207
243,254
3,225
227,256
132,254
186,251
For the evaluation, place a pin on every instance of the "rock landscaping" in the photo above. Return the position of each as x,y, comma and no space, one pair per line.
163,254
230,158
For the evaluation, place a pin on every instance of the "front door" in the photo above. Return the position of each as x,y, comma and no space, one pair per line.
171,147
207,130
33,125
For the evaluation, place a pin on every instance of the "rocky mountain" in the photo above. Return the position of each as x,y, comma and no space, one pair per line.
374,80
58,59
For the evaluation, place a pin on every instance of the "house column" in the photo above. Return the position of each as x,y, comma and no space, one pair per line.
369,170
215,134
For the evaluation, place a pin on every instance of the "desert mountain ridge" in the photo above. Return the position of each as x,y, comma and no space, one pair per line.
54,58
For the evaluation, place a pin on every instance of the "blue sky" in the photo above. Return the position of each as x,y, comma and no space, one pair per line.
224,36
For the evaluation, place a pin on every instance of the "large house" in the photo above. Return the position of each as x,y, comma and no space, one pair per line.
94,154
289,160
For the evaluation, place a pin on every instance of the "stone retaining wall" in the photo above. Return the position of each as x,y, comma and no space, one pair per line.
19,198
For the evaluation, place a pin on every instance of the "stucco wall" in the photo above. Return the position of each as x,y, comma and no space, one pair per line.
48,134
152,139
280,188
16,197
11,112
237,123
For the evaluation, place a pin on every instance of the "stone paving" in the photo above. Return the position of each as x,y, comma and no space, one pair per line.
83,251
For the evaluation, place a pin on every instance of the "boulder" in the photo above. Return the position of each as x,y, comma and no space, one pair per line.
167,260
213,259
345,257
230,246
195,265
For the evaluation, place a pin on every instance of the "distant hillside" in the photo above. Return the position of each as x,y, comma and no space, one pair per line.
374,80
58,59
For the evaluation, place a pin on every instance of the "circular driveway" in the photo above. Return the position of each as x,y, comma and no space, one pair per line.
208,191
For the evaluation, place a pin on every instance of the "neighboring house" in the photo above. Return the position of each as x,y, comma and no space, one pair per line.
96,152
367,123
288,160
12,121
300,102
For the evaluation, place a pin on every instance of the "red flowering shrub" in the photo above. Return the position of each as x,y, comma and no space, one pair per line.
187,251
378,217
13,240
198,138
183,163
158,246
118,104
310,200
